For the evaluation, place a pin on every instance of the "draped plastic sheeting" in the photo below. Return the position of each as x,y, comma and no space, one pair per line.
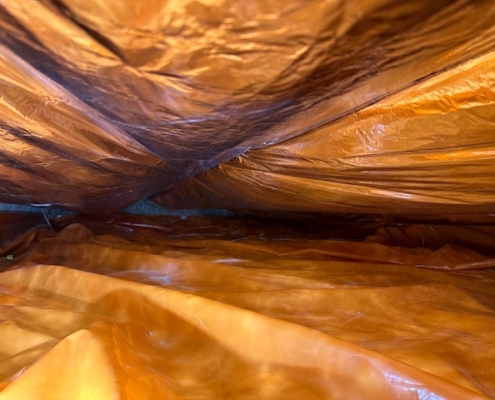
386,105
335,114
429,149
141,308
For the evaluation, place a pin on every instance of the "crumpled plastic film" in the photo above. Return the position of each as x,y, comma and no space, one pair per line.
136,307
353,118
425,150
105,103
